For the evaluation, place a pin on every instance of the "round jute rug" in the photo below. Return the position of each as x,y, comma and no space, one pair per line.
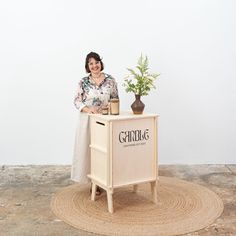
182,207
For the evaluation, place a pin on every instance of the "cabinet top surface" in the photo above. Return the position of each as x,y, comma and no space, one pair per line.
124,115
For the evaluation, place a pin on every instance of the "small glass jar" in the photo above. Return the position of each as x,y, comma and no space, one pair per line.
114,106
105,110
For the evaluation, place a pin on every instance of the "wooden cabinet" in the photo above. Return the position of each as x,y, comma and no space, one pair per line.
123,152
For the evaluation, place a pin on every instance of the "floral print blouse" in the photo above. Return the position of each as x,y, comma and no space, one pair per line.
91,94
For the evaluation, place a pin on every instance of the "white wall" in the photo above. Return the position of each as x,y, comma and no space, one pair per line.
43,45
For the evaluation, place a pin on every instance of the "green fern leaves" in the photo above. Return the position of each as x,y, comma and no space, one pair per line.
140,82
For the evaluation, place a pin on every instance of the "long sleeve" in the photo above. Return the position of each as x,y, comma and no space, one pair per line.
79,97
114,90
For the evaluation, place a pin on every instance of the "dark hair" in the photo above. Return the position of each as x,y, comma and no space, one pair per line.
95,56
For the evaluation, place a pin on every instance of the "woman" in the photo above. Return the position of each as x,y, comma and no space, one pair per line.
93,92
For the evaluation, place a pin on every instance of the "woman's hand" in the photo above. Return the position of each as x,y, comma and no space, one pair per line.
91,110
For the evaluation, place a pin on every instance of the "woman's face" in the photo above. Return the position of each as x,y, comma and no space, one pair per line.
94,66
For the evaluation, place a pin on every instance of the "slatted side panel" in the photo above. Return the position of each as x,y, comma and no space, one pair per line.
99,150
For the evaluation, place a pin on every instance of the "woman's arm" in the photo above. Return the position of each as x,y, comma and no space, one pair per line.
114,89
79,101
89,110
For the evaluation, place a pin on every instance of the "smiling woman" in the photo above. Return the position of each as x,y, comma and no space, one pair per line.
93,93
96,89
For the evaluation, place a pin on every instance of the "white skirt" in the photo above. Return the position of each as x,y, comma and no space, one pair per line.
81,159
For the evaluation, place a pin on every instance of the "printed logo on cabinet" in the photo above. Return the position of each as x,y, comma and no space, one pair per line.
134,137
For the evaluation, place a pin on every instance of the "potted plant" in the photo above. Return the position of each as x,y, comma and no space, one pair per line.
140,83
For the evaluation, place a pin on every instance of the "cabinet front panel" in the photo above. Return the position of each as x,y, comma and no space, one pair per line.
133,151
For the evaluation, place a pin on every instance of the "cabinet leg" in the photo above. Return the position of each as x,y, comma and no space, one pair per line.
94,189
110,201
154,191
135,188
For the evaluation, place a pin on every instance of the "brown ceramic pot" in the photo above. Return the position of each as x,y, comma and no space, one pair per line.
137,106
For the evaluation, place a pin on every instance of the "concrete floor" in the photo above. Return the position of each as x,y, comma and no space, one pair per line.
25,194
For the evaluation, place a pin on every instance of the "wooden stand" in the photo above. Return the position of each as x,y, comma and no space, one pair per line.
123,152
